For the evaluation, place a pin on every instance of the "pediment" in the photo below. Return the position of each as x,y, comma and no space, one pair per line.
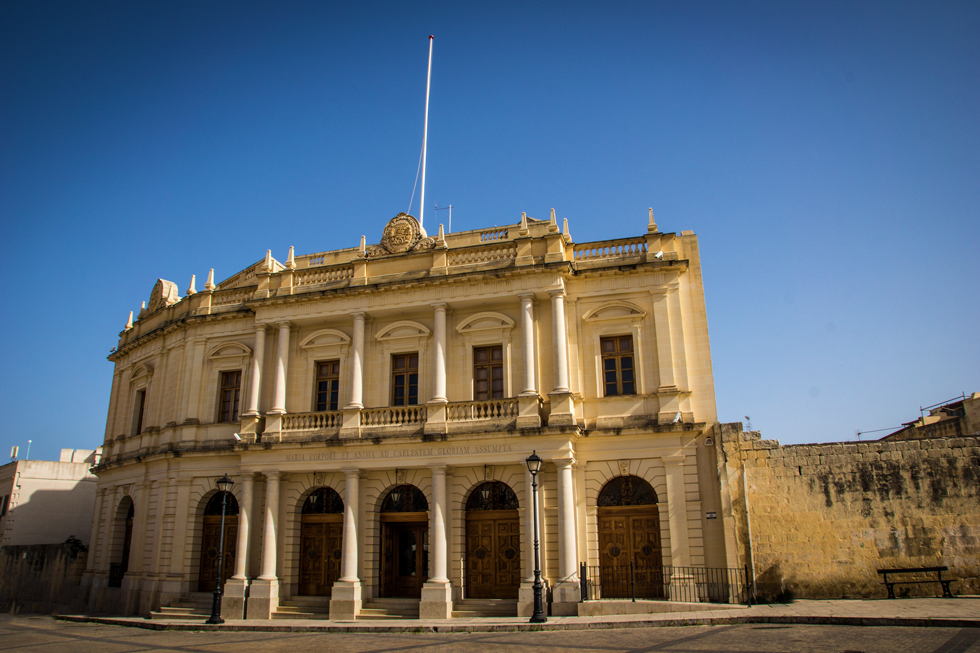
247,276
229,350
485,321
141,369
325,337
617,310
403,329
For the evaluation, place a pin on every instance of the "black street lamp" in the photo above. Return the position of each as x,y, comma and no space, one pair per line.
224,486
534,466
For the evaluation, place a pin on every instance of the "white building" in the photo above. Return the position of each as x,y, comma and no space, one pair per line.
386,398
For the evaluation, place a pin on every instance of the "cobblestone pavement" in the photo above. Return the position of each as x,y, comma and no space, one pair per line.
29,634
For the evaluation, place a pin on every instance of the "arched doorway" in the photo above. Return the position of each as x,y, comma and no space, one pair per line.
321,542
211,539
128,536
122,541
493,543
629,531
404,542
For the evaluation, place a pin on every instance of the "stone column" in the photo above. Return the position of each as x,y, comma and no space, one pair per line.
567,592
559,339
282,367
357,362
527,341
233,599
345,598
437,599
255,385
264,592
439,394
562,402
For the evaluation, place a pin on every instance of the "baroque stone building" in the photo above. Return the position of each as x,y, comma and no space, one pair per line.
375,406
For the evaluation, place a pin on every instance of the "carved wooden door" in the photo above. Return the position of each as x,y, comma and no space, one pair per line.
210,539
321,550
493,554
387,559
630,534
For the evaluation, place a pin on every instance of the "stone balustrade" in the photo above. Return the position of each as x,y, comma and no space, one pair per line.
393,416
312,421
610,249
232,296
323,275
494,235
473,255
468,411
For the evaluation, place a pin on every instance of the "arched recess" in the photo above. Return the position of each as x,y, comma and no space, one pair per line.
629,532
493,542
211,541
404,542
122,540
321,541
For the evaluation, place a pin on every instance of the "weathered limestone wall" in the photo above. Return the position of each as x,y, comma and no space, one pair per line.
42,577
821,519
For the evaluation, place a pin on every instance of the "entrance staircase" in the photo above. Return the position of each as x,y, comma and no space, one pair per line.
193,607
385,608
304,607
476,608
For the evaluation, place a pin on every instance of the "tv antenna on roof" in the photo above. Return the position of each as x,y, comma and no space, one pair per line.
450,207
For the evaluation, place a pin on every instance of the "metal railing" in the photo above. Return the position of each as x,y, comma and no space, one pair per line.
691,584
116,573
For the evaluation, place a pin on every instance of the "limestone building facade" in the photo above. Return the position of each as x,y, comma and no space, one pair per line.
375,406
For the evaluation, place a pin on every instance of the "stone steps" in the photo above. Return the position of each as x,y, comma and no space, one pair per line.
192,607
304,607
384,608
476,608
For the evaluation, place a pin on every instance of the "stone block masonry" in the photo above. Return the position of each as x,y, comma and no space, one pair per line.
819,520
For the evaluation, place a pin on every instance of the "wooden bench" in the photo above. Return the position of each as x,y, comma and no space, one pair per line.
918,570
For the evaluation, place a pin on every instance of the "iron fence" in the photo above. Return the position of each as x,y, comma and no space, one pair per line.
116,573
693,584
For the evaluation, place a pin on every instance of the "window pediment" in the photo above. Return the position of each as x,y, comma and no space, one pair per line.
324,338
403,329
229,350
618,310
485,321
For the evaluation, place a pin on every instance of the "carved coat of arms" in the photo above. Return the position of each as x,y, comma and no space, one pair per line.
403,233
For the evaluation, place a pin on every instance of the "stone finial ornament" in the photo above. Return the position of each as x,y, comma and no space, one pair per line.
651,226
290,260
568,236
363,248
267,266
441,238
129,322
209,284
553,222
192,290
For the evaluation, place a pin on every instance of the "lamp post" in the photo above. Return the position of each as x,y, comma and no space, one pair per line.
534,466
224,486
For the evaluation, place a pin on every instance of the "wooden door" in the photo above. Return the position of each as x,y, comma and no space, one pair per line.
493,554
321,550
209,550
404,558
630,534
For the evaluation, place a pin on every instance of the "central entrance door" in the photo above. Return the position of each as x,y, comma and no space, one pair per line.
404,542
629,532
211,540
321,542
493,543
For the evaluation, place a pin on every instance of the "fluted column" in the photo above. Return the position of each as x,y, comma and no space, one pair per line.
527,338
282,366
559,340
269,531
440,354
348,568
439,533
255,384
244,516
357,362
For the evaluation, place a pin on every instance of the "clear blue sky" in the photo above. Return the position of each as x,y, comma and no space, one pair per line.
826,153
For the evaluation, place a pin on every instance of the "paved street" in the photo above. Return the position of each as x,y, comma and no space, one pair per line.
26,634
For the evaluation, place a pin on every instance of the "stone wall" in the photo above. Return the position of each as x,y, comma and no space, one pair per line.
42,577
821,519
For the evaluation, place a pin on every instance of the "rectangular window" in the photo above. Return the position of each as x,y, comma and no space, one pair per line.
3,508
327,385
405,380
488,373
231,384
617,366
140,404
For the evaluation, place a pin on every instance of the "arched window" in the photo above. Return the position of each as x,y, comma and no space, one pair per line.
214,505
323,501
492,495
405,498
626,491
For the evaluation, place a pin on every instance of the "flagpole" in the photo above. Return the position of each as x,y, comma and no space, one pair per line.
425,136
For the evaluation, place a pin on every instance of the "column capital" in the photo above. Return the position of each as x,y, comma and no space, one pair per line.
678,459
439,469
440,306
358,314
284,324
269,476
352,472
562,463
260,326
559,292
526,296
